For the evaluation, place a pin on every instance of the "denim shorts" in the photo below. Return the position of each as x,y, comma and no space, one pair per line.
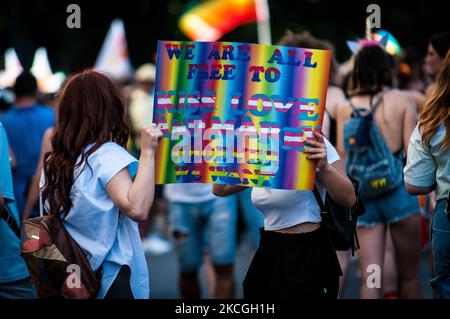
389,208
440,241
210,226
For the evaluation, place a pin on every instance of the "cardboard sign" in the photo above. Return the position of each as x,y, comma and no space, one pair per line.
238,113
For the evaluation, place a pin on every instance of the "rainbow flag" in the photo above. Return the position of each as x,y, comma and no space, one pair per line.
214,18
238,113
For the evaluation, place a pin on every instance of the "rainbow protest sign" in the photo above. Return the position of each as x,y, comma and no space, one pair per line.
238,113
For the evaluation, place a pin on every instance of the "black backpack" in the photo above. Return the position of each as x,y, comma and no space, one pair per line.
340,221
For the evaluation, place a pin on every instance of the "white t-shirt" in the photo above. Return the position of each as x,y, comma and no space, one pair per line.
287,208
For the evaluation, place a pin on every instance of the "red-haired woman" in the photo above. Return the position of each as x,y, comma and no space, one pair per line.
87,180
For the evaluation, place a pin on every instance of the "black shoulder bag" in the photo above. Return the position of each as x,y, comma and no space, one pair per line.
340,221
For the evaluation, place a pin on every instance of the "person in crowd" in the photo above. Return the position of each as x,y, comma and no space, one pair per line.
87,181
202,224
15,282
395,117
25,124
335,98
437,49
6,100
411,73
295,258
411,76
428,169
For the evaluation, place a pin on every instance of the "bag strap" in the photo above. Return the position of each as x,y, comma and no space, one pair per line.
354,108
373,107
377,103
319,199
9,219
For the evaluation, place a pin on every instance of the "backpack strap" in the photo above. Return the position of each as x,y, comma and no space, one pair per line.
354,108
373,107
9,219
377,103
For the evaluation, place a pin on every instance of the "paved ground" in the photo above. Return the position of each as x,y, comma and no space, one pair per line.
164,274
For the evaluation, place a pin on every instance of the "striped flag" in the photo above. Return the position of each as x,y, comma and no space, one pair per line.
211,19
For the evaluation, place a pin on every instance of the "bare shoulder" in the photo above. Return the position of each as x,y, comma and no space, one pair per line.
401,99
418,97
335,97
397,94
335,91
344,110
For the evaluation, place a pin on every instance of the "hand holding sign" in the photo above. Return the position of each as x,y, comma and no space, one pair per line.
318,152
150,135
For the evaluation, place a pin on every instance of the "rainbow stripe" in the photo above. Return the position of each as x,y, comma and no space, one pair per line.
392,46
291,107
211,19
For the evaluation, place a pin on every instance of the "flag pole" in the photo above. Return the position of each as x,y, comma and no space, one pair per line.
368,30
263,22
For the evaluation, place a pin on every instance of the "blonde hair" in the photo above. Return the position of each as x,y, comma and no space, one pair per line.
437,109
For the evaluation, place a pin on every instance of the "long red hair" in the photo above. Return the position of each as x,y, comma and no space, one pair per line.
90,111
